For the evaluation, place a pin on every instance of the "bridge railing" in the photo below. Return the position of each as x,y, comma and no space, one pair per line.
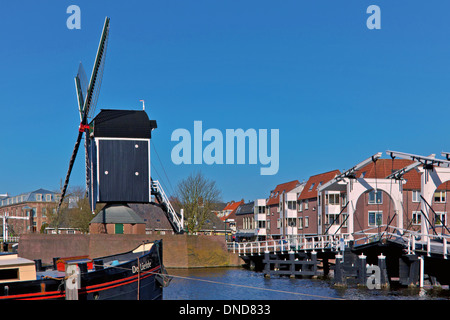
10,239
296,243
412,240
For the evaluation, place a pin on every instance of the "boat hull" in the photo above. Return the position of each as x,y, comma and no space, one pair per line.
135,279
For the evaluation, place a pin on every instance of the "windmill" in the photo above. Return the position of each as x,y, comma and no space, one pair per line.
117,151
87,95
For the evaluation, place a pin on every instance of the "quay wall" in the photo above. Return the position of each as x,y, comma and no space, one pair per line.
179,251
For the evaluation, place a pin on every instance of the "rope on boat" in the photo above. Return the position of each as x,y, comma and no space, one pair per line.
237,285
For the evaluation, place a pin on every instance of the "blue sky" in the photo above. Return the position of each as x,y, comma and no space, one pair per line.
337,91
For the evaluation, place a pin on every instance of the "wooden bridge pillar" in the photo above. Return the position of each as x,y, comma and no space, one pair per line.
409,270
384,280
361,270
339,277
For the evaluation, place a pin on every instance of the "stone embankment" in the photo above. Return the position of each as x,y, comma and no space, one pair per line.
179,251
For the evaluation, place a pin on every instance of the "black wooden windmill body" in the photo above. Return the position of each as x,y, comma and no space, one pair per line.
117,149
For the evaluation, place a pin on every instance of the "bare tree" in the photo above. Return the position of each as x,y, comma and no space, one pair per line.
75,211
197,195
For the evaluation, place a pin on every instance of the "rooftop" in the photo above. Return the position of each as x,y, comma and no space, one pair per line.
284,187
310,189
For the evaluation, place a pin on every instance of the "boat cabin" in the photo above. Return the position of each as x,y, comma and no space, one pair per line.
13,268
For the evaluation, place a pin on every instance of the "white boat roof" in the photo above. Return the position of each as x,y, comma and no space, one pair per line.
7,260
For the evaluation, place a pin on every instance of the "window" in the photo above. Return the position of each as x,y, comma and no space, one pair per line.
306,204
300,223
332,199
291,222
292,205
306,222
261,209
375,197
439,197
332,219
278,223
300,206
416,217
344,199
9,274
48,197
38,197
312,186
439,219
344,219
375,218
416,196
261,224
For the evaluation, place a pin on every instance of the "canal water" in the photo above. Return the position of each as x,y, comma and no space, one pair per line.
243,284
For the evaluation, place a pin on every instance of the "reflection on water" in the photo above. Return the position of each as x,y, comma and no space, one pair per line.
242,284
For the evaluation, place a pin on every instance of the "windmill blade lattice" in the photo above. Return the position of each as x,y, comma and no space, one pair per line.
89,98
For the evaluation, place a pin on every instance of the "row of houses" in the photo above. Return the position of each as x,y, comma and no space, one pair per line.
28,212
322,204
32,212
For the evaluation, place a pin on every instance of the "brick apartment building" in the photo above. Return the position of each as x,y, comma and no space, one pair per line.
308,218
27,212
281,210
384,201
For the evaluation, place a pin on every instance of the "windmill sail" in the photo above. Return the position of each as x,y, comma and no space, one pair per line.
91,95
81,85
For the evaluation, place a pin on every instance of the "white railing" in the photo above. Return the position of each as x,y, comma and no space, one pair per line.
9,239
294,243
173,215
412,240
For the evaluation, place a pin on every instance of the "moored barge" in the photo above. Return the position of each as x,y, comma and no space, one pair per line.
135,275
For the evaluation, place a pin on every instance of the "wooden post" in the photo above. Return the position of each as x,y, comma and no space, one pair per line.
266,264
314,259
292,264
362,273
384,280
339,278
326,267
72,281
444,245
421,261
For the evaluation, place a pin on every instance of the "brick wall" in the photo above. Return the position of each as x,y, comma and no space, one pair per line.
179,251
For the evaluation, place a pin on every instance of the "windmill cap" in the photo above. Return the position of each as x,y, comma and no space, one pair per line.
123,124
